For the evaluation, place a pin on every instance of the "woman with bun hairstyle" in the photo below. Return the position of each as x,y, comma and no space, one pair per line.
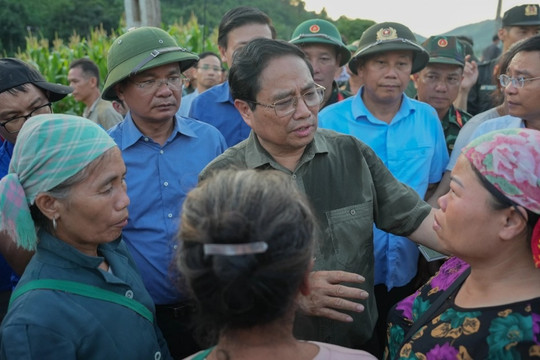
247,248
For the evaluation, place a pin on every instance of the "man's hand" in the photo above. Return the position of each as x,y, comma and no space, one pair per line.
327,297
470,75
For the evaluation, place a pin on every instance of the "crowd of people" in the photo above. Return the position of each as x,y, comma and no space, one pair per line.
247,205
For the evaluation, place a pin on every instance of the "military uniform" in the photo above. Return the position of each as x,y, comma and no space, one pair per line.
452,123
338,94
448,50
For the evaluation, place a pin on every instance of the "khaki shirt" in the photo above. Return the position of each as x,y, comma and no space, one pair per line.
350,189
102,113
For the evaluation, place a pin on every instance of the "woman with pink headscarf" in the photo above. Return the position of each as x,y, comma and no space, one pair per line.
485,301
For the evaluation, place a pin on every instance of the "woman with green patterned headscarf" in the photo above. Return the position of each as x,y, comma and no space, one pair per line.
81,295
485,301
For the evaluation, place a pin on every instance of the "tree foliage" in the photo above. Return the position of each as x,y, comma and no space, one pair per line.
60,19
285,14
55,19
50,35
352,29
12,26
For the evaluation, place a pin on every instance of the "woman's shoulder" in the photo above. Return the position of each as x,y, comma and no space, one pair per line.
507,331
330,352
448,273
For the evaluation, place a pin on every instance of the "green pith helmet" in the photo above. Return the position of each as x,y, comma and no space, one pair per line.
318,31
141,49
389,36
445,50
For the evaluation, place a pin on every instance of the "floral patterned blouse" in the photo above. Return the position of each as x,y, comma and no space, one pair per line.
509,331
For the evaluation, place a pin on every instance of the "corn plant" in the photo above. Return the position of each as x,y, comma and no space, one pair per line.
53,60
191,36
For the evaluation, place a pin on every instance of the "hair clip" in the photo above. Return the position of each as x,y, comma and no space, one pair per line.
235,249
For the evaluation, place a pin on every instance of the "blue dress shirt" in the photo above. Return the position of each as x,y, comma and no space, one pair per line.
158,179
413,148
185,103
215,106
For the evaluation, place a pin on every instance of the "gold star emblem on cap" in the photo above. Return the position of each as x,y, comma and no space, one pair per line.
387,34
531,10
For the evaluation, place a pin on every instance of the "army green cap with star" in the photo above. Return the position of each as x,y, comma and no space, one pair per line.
318,31
522,15
444,50
389,36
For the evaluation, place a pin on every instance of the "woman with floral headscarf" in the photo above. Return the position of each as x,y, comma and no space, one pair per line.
485,302
81,295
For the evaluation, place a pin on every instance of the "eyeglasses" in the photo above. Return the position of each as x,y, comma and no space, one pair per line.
173,82
207,67
519,82
14,124
282,108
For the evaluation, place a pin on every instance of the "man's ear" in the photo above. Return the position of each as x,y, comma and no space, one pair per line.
414,78
119,90
360,69
338,61
502,34
243,108
222,52
93,81
48,205
116,105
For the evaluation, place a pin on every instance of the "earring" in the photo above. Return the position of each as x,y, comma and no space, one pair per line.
54,223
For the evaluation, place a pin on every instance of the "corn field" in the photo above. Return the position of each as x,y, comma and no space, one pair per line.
53,60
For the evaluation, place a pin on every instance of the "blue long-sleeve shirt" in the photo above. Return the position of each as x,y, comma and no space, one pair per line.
215,106
413,148
158,179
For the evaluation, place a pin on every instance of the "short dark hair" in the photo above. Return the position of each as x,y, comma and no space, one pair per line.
24,88
239,207
529,44
88,67
210,53
241,16
250,61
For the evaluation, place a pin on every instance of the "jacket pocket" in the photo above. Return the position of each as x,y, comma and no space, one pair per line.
350,230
